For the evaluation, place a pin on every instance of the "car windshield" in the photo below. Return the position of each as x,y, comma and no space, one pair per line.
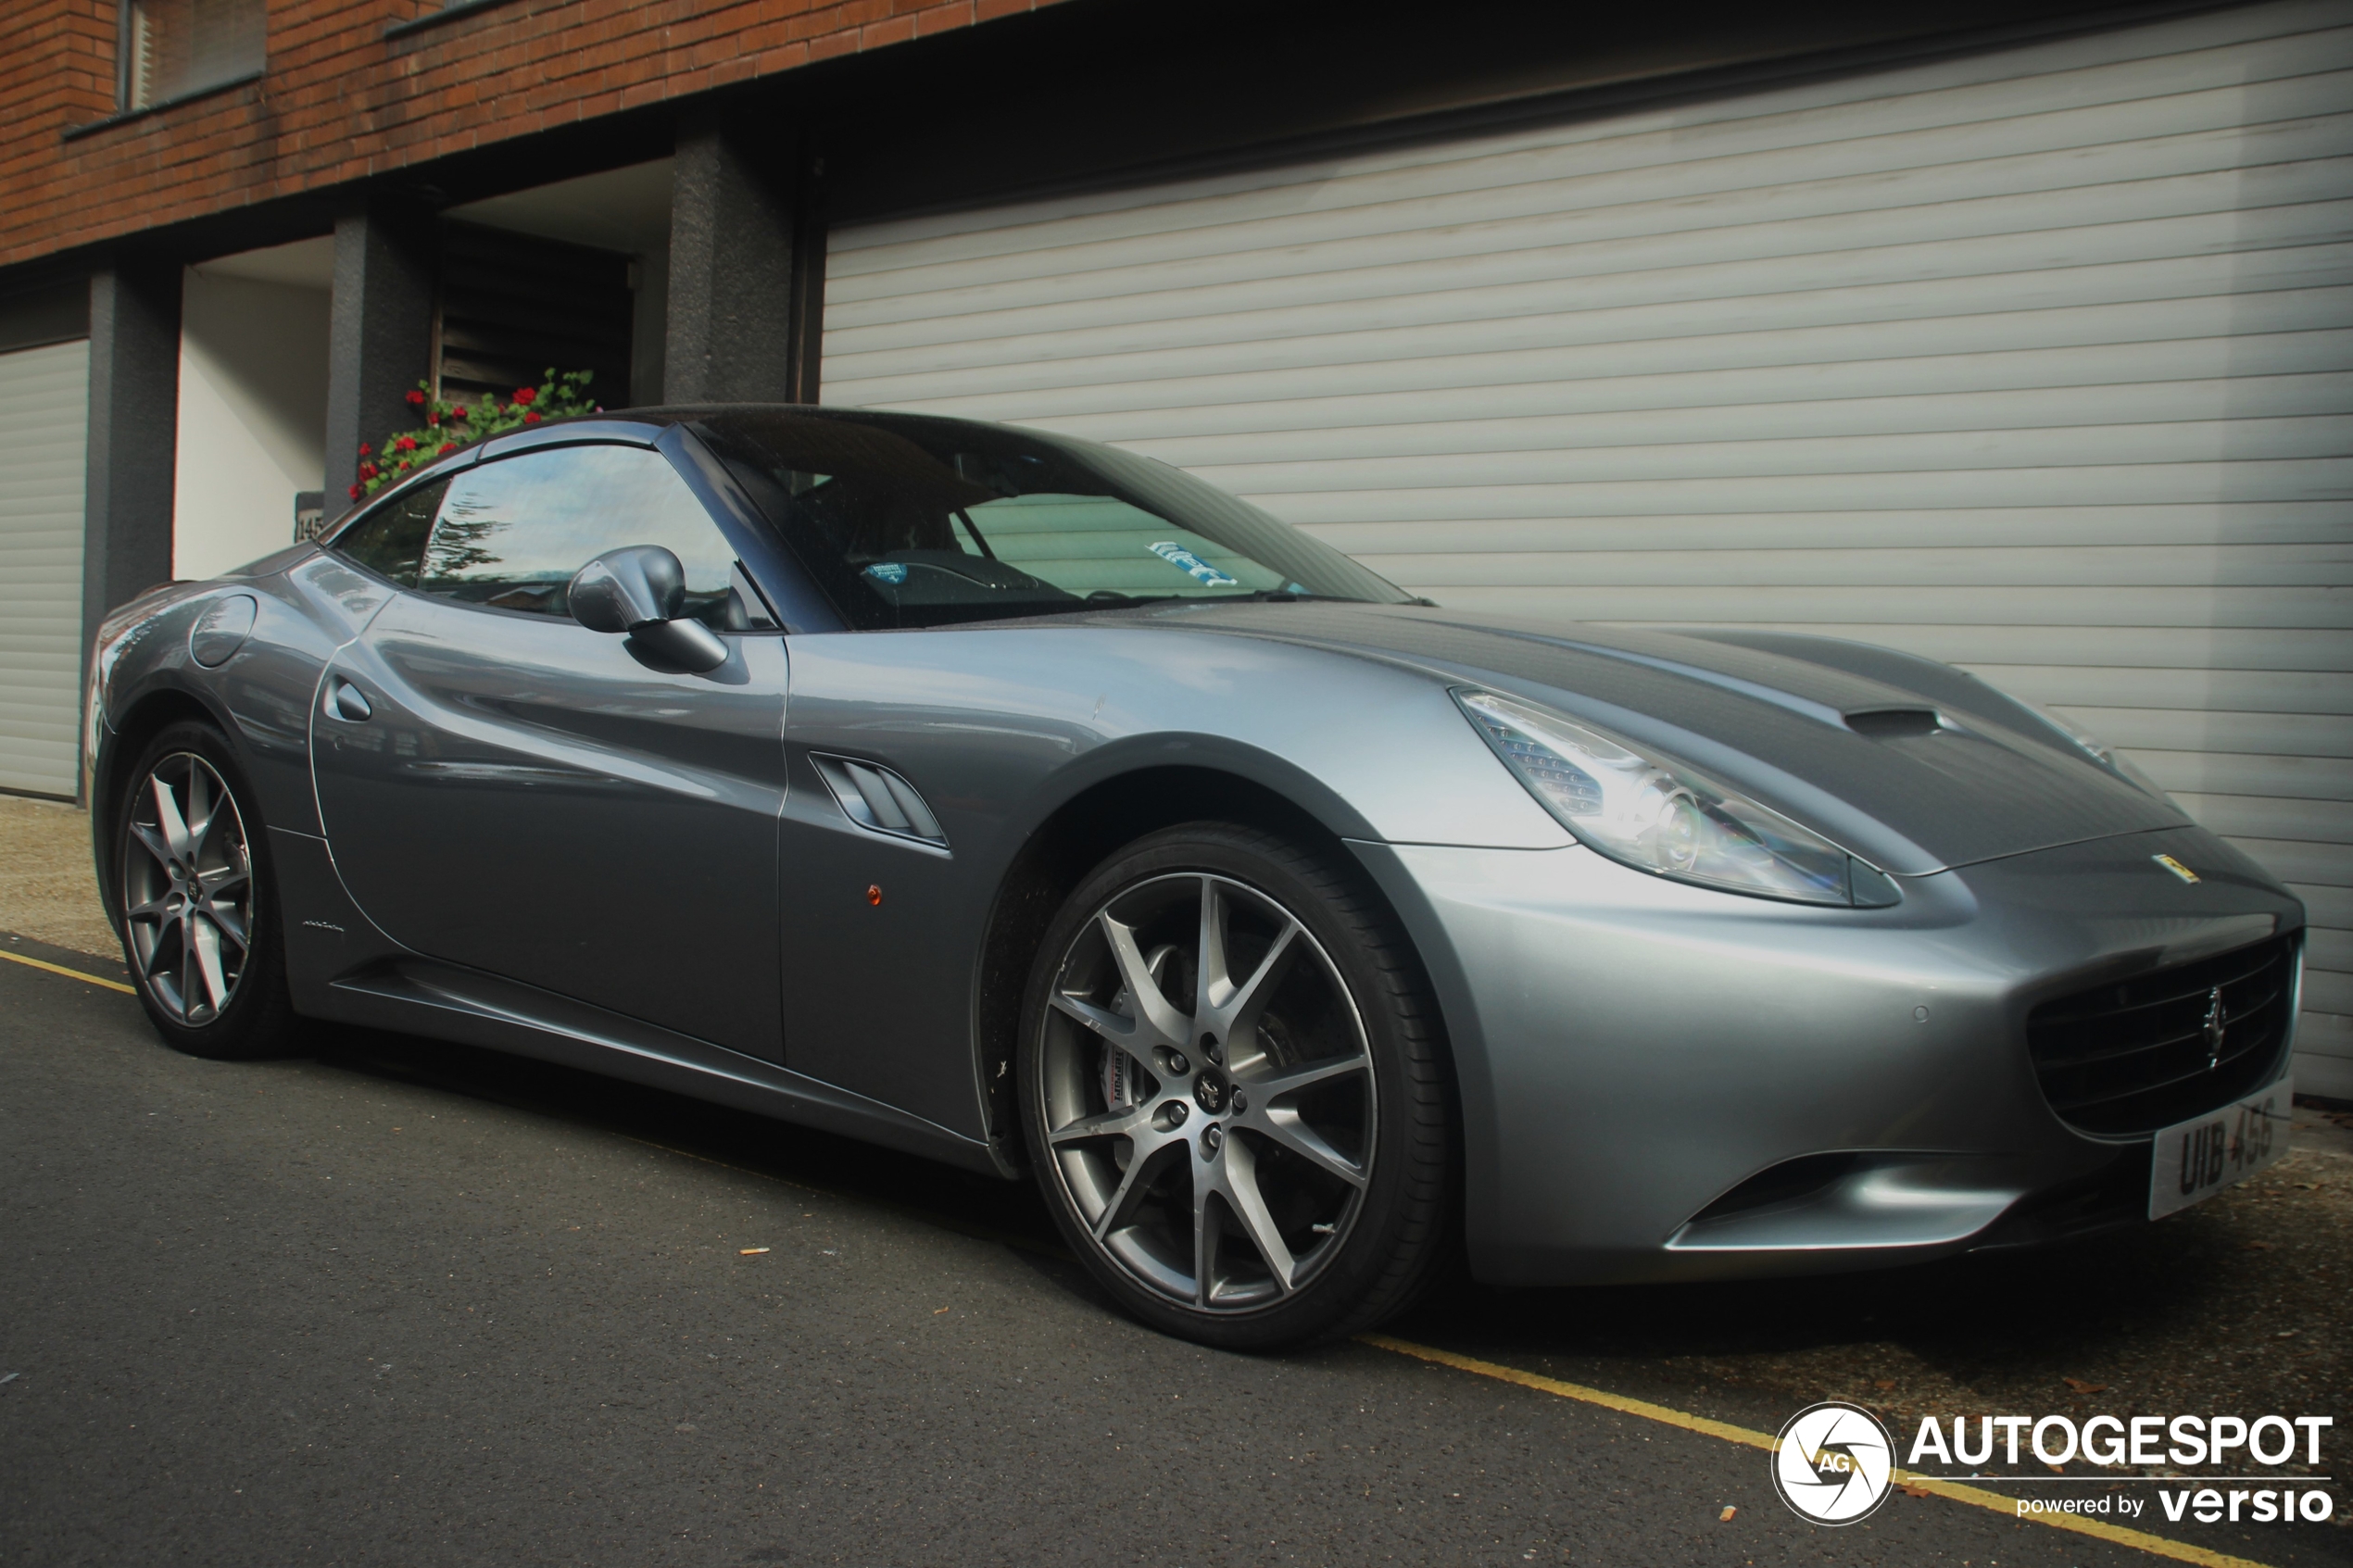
908,521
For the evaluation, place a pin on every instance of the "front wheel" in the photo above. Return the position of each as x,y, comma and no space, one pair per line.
194,901
1235,1092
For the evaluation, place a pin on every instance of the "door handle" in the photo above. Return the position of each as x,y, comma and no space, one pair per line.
345,701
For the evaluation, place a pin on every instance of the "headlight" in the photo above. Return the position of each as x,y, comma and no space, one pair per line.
1664,821
2101,753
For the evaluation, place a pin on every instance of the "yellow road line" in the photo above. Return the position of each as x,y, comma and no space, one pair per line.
68,973
1977,1497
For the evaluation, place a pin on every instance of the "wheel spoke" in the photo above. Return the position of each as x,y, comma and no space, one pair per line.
169,821
1120,1031
1282,1124
154,908
1265,1091
152,842
1125,1123
1233,1010
1207,1232
190,975
227,880
1152,1009
1133,1184
164,928
1210,983
202,809
231,924
1249,1206
207,943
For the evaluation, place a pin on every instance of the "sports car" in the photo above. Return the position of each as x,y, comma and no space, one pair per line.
1027,806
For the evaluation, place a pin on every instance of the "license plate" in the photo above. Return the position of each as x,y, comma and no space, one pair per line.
2196,1159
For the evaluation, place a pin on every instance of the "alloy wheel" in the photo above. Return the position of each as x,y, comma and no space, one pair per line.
1209,1098
187,888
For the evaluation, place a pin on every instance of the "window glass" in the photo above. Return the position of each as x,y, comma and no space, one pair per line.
171,48
390,540
908,521
511,533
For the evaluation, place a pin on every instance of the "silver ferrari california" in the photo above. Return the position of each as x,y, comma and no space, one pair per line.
1027,806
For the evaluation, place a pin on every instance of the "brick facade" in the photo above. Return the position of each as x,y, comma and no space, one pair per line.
340,101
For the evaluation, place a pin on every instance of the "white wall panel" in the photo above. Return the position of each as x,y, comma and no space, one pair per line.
252,430
2039,360
44,407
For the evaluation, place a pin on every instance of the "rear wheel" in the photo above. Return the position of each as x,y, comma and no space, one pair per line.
1235,1093
194,900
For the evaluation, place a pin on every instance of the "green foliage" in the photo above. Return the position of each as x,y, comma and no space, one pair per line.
449,426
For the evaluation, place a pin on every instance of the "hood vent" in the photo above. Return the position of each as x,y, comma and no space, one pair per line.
1893,723
879,799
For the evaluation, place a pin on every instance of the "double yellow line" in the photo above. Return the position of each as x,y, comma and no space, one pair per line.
1977,1497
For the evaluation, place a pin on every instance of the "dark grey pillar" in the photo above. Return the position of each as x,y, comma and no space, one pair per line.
134,418
379,333
742,249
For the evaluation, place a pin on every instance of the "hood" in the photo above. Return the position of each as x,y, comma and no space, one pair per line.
1910,764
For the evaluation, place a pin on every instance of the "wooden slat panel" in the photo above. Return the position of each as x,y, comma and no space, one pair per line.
1973,566
1053,392
2260,816
44,402
2266,691
2327,865
2326,991
2329,906
2211,772
2302,609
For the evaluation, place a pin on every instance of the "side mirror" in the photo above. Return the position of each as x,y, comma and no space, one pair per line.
639,593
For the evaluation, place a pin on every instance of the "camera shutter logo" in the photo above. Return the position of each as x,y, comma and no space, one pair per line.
1834,1464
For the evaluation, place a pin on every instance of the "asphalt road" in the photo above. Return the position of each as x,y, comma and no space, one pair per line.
405,1303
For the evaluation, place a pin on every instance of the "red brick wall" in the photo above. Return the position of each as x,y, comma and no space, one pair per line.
341,102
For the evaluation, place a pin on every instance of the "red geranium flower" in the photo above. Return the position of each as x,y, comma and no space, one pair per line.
406,444
432,419
416,400
365,449
354,491
532,418
458,412
526,395
367,470
449,447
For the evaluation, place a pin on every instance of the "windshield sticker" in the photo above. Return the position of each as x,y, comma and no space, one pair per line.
1192,565
891,571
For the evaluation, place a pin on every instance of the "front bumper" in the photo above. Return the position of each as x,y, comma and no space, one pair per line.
1631,1051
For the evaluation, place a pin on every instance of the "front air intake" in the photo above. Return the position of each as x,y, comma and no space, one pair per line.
2142,1054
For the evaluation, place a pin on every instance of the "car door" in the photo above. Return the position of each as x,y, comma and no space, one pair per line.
505,789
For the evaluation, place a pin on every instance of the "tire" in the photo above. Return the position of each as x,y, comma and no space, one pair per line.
1288,1182
195,902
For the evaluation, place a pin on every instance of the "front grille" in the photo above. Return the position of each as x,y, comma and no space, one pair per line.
2139,1055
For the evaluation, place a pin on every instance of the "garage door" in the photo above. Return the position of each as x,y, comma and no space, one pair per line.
2039,360
44,407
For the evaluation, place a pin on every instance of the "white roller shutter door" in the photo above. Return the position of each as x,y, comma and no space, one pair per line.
45,410
2039,360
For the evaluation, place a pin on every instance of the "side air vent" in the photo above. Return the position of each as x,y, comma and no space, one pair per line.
1887,724
877,798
